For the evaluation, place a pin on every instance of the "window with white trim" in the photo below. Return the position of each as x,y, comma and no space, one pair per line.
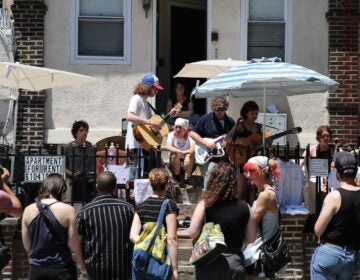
265,29
101,32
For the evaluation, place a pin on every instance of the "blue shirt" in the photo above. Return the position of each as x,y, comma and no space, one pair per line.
208,126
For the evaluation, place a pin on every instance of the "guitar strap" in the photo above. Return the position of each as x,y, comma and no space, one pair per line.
155,111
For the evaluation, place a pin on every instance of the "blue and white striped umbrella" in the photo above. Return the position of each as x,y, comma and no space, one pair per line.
265,77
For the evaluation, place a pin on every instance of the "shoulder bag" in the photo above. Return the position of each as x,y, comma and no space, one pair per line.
151,258
209,245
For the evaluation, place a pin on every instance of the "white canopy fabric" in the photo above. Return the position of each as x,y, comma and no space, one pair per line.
33,78
207,68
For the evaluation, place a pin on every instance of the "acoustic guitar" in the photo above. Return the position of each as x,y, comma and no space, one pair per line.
147,137
246,147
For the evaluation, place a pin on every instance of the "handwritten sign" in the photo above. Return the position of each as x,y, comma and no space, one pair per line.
319,167
142,190
121,172
38,167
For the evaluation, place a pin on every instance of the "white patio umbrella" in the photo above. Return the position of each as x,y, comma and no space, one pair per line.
33,78
264,77
207,68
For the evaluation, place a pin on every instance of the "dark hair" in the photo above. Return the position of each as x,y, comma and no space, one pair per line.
320,130
76,126
106,182
53,185
221,185
248,107
158,178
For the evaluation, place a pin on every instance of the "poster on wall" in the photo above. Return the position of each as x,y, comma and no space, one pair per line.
38,167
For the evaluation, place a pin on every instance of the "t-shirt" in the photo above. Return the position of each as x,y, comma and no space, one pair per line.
139,106
149,210
182,144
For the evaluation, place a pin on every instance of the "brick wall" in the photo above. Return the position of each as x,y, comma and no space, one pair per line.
29,33
344,21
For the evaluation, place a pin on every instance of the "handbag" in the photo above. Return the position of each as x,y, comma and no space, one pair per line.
210,245
252,252
275,254
5,253
151,258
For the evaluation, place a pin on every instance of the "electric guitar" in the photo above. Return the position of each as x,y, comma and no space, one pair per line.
203,154
147,137
246,147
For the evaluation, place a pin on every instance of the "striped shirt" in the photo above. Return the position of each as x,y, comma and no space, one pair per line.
105,226
149,210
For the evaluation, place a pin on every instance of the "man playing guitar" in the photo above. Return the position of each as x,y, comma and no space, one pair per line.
212,125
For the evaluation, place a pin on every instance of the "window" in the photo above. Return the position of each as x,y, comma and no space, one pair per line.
265,25
101,32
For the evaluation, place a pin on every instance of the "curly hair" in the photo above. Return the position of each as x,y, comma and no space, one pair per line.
76,126
158,178
221,185
272,169
143,89
219,104
320,130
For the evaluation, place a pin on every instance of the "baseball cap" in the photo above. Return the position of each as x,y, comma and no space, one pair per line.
152,80
345,163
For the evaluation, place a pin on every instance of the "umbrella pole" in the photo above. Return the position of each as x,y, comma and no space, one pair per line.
264,126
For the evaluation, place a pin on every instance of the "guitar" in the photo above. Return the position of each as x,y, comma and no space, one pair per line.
203,154
147,137
246,147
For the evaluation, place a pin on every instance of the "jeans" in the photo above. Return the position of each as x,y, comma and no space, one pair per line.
333,262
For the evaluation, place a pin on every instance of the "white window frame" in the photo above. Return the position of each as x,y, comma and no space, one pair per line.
82,59
244,16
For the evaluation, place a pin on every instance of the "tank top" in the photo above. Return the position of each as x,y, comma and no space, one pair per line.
45,248
232,216
269,223
246,133
344,227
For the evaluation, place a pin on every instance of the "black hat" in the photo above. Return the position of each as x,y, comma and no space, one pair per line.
345,163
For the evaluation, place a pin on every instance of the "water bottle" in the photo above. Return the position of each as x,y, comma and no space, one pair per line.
111,154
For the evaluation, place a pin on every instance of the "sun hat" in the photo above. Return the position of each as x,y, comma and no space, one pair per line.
152,80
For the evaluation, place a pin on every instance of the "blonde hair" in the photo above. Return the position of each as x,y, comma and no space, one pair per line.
219,104
158,178
143,89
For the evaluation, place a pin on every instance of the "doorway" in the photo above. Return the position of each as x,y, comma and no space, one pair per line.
186,42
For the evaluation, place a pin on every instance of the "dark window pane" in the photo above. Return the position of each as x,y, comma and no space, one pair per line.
271,10
266,34
99,38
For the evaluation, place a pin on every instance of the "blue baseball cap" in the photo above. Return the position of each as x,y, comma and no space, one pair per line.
152,80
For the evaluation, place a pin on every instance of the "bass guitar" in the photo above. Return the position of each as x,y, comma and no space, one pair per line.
246,147
203,154
147,137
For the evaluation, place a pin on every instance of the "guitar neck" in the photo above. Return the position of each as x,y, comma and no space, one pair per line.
278,135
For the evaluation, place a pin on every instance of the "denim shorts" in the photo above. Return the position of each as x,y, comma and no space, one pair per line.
331,261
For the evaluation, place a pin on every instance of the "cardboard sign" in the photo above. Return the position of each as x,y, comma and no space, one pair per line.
38,167
318,167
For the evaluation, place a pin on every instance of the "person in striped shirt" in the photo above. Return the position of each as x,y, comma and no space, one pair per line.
104,228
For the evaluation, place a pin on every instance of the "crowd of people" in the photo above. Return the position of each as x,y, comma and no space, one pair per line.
239,194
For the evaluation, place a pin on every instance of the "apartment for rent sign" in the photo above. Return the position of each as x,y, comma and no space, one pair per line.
38,167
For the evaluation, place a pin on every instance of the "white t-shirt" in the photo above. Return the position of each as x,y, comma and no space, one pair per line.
139,106
182,144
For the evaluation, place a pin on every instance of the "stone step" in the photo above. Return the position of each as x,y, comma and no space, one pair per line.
186,271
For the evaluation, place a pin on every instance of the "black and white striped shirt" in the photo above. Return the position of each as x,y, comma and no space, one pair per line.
105,226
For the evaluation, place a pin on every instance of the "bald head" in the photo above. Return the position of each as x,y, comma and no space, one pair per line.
106,182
